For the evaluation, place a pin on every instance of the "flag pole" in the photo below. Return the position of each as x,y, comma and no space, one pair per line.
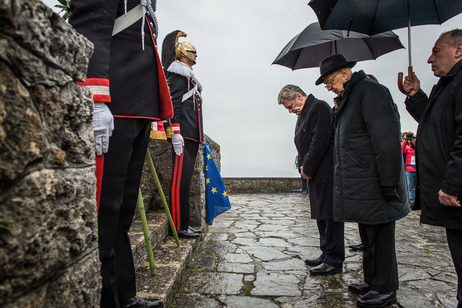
162,196
147,237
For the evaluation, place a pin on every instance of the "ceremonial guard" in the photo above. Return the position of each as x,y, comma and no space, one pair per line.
185,91
129,89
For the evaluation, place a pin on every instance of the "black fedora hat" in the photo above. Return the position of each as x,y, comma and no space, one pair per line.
331,64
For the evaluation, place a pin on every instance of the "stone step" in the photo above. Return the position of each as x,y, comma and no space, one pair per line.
171,261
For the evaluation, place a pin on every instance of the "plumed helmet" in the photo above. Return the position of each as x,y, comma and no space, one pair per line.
173,50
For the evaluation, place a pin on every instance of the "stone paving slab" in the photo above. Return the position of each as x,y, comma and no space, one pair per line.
253,257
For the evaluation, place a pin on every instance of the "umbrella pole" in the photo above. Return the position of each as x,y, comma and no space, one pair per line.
409,46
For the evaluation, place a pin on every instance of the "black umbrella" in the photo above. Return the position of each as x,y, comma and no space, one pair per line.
312,45
375,16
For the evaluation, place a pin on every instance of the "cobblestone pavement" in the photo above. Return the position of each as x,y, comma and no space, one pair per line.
253,256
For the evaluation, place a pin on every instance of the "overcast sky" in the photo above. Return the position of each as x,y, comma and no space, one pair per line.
236,42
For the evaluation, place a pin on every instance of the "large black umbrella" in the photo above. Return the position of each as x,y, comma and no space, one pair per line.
375,16
312,45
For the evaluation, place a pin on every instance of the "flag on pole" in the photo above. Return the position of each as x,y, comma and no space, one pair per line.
216,196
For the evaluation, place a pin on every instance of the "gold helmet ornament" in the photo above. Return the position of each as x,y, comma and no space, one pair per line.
183,48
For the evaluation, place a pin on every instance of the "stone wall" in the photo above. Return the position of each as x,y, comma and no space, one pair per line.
261,185
49,258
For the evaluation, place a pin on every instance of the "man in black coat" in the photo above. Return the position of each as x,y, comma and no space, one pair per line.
127,82
314,139
439,144
369,179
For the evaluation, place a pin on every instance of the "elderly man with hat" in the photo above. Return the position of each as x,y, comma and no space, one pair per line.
369,178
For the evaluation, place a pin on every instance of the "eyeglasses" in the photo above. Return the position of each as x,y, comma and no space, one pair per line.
329,82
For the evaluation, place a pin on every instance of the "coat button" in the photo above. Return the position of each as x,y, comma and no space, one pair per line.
151,24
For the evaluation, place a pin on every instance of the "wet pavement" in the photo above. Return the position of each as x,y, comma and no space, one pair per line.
253,256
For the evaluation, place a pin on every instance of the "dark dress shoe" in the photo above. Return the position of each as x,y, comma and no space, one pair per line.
359,288
138,302
194,230
325,269
357,247
373,299
314,262
188,234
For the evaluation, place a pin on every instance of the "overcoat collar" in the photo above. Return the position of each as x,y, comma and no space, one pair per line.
348,86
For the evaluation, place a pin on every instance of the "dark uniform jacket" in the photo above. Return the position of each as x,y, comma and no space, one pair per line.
119,78
187,102
439,148
367,154
314,139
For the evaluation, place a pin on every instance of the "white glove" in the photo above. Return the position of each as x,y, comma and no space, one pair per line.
103,125
178,143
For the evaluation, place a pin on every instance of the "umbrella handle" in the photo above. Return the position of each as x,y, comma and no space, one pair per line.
400,80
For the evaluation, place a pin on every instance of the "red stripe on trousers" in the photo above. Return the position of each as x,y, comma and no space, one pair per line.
99,178
180,171
176,183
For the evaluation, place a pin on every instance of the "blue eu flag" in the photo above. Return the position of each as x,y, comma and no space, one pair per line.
216,196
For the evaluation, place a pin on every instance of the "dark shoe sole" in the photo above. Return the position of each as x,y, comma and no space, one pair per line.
337,271
389,302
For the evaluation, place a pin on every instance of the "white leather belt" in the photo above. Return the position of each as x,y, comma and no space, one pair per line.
189,94
126,20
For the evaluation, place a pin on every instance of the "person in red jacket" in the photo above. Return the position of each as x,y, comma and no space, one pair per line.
408,148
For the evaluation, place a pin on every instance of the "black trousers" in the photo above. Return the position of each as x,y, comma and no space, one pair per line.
332,243
182,171
123,165
455,246
379,258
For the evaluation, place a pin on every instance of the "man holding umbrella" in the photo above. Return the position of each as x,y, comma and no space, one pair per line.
369,179
439,144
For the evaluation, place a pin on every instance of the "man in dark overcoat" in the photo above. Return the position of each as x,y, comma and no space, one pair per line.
130,91
369,179
439,144
314,139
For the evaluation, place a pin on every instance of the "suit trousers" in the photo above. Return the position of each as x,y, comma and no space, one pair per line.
122,170
379,257
182,172
331,240
455,246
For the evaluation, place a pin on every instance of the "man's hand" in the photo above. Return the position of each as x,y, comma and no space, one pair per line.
303,174
448,200
390,194
178,143
411,87
103,125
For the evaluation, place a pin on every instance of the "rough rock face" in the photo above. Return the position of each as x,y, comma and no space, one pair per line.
49,258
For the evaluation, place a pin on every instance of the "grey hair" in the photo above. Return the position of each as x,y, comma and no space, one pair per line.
454,38
289,92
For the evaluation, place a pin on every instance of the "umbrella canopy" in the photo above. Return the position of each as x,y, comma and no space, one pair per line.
309,47
376,16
